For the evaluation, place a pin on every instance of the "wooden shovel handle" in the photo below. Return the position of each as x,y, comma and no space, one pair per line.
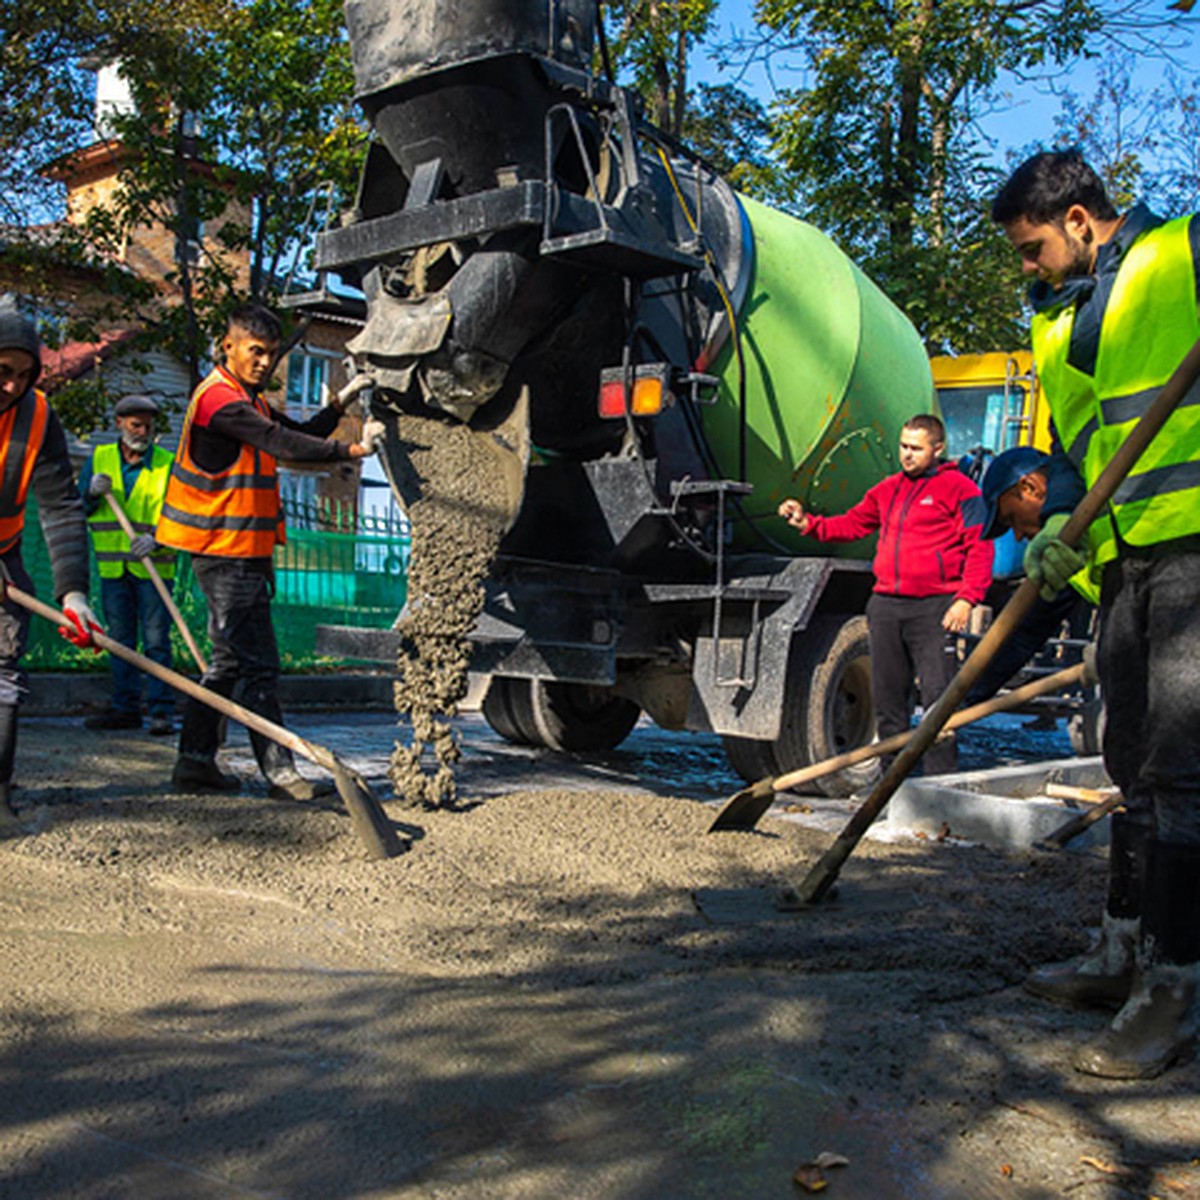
159,584
821,877
366,813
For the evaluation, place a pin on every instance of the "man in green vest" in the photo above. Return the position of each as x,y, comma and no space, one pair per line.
134,471
1115,310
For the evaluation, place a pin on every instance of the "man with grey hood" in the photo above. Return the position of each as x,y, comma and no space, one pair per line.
33,458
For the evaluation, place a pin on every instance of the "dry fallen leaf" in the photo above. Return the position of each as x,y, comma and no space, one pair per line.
1101,1165
827,1159
1006,1170
809,1177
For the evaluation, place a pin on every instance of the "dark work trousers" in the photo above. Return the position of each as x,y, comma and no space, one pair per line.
907,641
131,605
1149,664
14,633
244,651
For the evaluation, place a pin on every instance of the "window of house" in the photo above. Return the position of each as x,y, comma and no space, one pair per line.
308,377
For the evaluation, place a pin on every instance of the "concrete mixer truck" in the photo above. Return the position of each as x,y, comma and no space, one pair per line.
655,361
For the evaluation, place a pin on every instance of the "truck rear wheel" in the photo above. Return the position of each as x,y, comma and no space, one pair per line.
578,716
751,759
508,709
828,706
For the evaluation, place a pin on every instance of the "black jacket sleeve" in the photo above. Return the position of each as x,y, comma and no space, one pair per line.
61,512
216,446
1043,621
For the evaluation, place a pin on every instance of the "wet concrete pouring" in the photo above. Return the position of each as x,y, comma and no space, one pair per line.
220,996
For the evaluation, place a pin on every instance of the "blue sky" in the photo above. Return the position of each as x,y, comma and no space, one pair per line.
1025,113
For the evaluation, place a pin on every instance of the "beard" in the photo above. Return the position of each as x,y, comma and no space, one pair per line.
1081,254
135,445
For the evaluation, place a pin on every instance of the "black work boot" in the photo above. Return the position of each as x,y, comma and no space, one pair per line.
1158,1024
10,826
1102,977
195,774
291,785
278,765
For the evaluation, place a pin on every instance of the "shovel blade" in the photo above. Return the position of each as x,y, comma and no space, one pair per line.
744,809
370,822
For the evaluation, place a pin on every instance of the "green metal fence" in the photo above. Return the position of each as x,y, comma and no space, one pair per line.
338,567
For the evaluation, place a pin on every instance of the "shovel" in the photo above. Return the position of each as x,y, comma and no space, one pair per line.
159,584
366,813
822,876
743,810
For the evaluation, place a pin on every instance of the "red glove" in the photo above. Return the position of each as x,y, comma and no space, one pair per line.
82,621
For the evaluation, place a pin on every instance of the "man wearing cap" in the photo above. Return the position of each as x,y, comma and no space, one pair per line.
134,471
33,455
1015,486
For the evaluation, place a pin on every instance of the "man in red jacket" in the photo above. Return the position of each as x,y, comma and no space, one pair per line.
931,567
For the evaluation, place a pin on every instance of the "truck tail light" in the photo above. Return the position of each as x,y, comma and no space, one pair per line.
649,395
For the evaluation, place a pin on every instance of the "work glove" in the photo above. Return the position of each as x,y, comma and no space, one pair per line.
82,621
1049,561
143,545
372,435
100,486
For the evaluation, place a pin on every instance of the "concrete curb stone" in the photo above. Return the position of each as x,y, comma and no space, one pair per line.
54,694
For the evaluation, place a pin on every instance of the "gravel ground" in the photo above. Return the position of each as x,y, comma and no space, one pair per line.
220,997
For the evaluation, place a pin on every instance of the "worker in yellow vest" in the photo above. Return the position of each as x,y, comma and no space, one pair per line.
33,457
223,508
134,471
1115,310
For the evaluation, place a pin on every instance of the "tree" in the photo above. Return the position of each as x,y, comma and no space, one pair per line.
46,86
238,123
1114,128
652,40
883,142
732,131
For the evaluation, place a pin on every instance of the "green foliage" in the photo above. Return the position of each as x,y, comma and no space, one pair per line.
733,132
237,124
885,152
244,109
1145,144
46,49
651,41
83,405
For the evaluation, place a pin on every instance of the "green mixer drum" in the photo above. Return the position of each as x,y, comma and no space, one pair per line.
833,369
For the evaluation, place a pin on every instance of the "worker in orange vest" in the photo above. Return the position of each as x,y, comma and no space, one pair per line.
222,506
33,455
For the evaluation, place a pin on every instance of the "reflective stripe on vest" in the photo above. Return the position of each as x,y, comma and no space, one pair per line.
109,542
233,513
1072,398
1150,323
22,432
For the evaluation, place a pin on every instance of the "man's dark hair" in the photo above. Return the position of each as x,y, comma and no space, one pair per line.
258,321
1043,187
929,424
